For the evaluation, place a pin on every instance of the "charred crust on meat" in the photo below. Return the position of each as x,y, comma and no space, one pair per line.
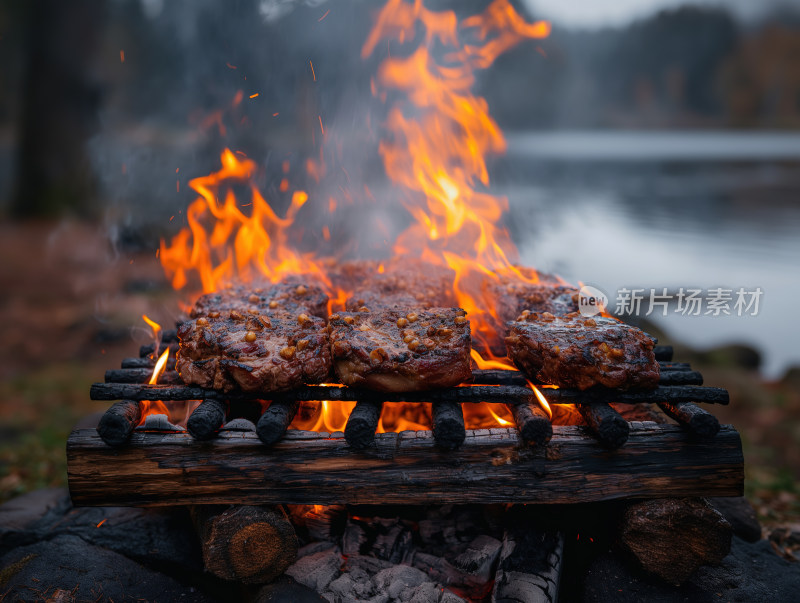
370,350
582,352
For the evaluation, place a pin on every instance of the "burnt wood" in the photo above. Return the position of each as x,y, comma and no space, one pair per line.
663,352
533,423
477,393
448,424
406,468
276,420
119,421
606,423
207,419
698,422
142,375
362,423
479,377
669,376
249,544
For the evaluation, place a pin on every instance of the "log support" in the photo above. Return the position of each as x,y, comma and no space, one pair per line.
249,544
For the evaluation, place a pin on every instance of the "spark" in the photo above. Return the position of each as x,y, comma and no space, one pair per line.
313,73
121,56
323,16
254,95
102,522
322,129
229,66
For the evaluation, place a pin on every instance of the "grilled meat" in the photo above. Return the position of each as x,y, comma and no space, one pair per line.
400,350
579,352
254,352
410,284
292,297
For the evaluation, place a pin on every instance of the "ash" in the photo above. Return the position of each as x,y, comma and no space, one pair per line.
439,554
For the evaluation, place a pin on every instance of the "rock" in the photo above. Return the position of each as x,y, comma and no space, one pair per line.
672,537
316,571
751,572
394,580
286,590
21,512
86,573
738,511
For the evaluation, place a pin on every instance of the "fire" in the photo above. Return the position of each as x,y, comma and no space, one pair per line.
159,368
438,136
542,400
223,244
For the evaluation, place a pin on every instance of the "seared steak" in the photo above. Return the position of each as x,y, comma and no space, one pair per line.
399,350
287,298
254,352
579,352
410,284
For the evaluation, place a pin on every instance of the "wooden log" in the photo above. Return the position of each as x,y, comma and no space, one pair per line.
448,424
135,363
118,422
142,375
529,569
698,422
492,466
663,352
275,420
533,423
150,349
669,376
606,423
206,420
362,423
672,537
479,393
249,544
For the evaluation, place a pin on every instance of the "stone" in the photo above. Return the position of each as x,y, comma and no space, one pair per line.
86,572
738,511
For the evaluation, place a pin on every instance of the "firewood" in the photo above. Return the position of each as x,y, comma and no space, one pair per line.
206,420
362,423
533,423
248,544
401,468
119,421
698,422
530,565
672,537
448,424
606,423
275,420
464,395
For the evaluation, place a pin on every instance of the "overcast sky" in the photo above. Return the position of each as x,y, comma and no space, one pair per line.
599,13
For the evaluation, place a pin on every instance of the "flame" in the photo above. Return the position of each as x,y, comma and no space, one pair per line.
542,400
222,244
156,328
159,368
439,134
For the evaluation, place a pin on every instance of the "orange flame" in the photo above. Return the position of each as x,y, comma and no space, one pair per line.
159,368
222,243
440,135
542,400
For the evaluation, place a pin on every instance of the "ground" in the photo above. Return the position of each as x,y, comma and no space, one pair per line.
72,306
